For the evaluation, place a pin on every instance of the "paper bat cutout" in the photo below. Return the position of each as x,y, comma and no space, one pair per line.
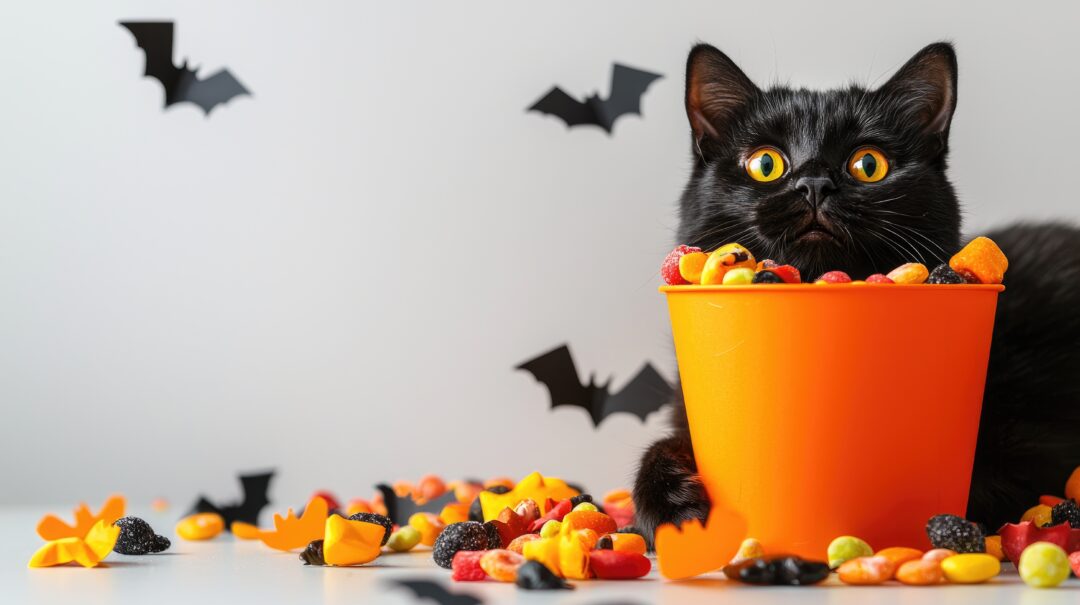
247,510
290,533
52,527
627,87
88,551
693,549
399,508
426,589
181,84
646,393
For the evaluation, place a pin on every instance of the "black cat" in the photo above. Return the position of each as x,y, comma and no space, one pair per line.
854,180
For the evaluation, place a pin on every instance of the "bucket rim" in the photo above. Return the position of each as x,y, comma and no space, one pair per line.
834,288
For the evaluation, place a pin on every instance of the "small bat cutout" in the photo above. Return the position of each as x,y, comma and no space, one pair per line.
254,487
399,509
646,393
181,84
435,592
627,87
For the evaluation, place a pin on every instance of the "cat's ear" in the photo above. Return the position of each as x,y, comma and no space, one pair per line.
715,90
926,88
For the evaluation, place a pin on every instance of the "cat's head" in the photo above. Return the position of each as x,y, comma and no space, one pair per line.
850,179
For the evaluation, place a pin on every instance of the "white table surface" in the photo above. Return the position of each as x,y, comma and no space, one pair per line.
225,570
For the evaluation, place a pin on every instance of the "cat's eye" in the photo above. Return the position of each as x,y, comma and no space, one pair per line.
765,164
868,165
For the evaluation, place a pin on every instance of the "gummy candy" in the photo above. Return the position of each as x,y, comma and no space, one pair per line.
51,527
1040,515
865,570
993,547
550,529
943,274
618,565
627,543
535,487
429,526
404,539
1066,511
466,566
846,548
291,532
920,573
138,538
501,565
518,544
467,535
898,555
534,575
573,556
781,570
910,273
544,550
738,276
970,568
724,259
833,277
749,549
981,261
955,533
596,521
1043,565
690,266
200,526
879,278
1015,537
378,520
586,506
938,555
767,276
351,542
669,270
556,513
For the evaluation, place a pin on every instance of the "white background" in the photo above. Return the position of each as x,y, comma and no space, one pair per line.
336,276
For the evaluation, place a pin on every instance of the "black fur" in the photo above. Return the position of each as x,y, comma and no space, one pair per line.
819,218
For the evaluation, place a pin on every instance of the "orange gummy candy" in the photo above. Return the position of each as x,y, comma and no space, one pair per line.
588,519
429,526
866,570
898,555
920,573
501,565
980,261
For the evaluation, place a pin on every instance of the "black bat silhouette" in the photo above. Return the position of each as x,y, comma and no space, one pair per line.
627,86
426,589
254,487
400,509
646,393
181,84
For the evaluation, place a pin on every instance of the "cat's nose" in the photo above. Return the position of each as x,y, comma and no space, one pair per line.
815,188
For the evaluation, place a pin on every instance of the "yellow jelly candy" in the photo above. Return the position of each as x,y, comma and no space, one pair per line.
429,527
1043,565
351,542
589,506
846,548
749,549
200,526
550,529
1039,515
910,273
738,276
970,568
573,557
628,543
535,487
736,256
981,261
404,539
690,266
544,550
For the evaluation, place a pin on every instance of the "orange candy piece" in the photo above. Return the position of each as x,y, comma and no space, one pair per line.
690,266
429,526
993,547
291,533
898,555
866,570
428,488
628,543
1072,486
501,564
200,526
244,531
980,261
909,273
535,487
920,573
87,551
573,556
937,555
348,542
455,512
51,527
588,519
518,544
693,549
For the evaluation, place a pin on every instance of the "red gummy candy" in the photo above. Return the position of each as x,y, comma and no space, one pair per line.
835,277
331,502
618,564
789,274
670,269
1074,562
466,566
555,513
879,278
1051,501
1015,537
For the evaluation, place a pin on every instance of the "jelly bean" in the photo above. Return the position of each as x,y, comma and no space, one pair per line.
618,565
533,575
845,548
833,277
404,539
1038,514
589,506
501,565
981,261
738,277
938,555
781,570
865,570
898,555
200,526
879,278
1043,565
910,273
749,549
573,557
544,550
920,573
528,510
1072,486
596,521
428,488
627,543
789,274
993,547
429,526
589,538
735,256
767,277
518,544
466,566
550,529
970,568
690,266
669,270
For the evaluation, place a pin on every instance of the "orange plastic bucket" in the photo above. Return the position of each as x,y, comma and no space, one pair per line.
823,410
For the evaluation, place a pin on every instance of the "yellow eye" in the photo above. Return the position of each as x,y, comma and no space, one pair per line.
766,164
868,165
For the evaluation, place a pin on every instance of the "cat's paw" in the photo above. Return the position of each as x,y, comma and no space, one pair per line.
668,488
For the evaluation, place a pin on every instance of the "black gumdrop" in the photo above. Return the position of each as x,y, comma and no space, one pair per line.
534,575
767,277
138,538
943,274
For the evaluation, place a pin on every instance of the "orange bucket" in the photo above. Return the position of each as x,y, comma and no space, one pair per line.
823,410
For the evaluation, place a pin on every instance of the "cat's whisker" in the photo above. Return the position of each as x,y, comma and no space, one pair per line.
907,243
885,201
923,236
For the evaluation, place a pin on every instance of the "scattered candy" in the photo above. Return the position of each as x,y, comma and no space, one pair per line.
378,520
585,519
955,533
200,526
943,274
468,535
749,549
981,262
550,529
846,548
291,532
670,269
573,556
920,572
1067,511
879,278
404,539
898,555
910,273
690,266
501,565
518,544
782,570
938,555
1044,565
1040,515
429,525
865,570
993,547
618,565
767,276
534,575
1015,537
833,277
738,277
535,487
351,542
465,566
970,568
138,538
88,550
585,506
